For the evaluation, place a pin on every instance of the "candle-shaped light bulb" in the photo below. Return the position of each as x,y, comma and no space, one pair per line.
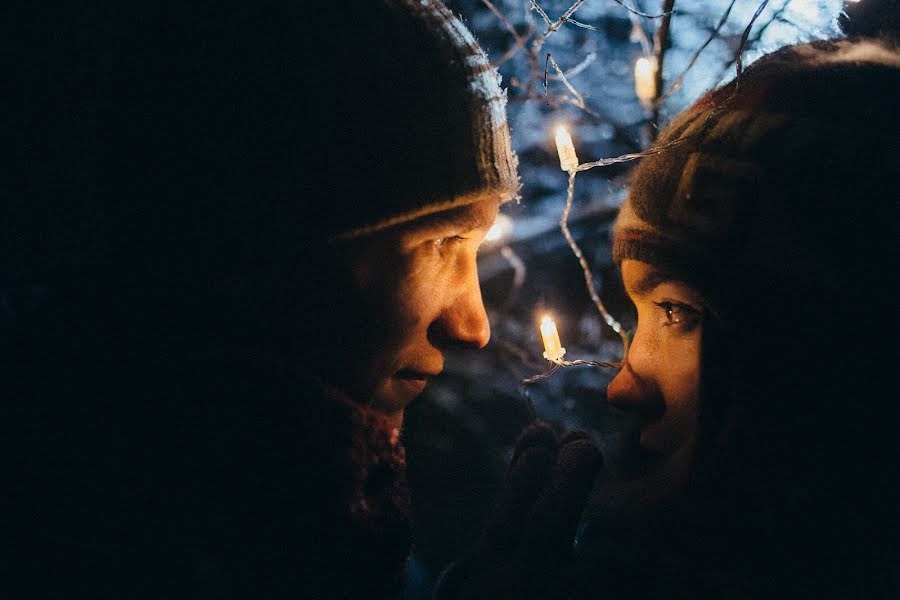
645,80
553,349
568,160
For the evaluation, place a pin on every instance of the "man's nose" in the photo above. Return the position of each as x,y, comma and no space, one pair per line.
463,322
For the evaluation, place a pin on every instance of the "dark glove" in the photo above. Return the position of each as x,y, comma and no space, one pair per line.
526,549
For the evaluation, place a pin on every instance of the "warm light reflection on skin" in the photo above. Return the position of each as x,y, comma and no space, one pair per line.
660,383
413,295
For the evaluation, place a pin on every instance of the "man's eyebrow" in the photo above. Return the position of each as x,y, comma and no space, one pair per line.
648,283
462,218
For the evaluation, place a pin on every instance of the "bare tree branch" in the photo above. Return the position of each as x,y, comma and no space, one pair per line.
582,25
579,99
553,27
591,57
680,79
660,41
756,36
638,26
740,52
490,5
639,13
519,40
541,12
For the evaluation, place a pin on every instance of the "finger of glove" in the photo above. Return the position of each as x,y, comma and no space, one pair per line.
528,474
537,433
551,529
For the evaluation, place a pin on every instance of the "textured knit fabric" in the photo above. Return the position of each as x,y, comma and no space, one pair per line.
742,187
434,134
249,135
775,199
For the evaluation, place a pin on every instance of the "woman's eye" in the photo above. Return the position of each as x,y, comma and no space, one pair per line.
679,315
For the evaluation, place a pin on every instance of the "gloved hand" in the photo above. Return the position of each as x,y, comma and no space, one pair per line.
526,548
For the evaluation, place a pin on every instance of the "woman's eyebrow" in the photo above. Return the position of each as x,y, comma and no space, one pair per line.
648,283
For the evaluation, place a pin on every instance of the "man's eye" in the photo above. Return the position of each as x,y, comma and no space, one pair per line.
448,241
679,315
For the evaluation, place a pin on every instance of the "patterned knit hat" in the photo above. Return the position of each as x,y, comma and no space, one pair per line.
791,172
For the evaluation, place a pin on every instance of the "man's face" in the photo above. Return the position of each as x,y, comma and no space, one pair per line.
415,294
660,383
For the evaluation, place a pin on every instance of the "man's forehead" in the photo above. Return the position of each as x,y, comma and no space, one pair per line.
477,215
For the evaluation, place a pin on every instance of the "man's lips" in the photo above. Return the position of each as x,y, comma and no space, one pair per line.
414,380
415,374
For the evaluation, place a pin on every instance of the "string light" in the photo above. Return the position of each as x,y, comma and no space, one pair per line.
553,350
645,80
554,353
568,160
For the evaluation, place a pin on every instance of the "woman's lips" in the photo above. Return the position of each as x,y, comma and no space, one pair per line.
413,386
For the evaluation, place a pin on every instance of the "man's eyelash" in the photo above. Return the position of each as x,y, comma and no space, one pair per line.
448,240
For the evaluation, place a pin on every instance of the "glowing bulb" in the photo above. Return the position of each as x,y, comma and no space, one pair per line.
568,161
645,79
553,349
500,229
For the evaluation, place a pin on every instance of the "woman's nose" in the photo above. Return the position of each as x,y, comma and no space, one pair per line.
630,392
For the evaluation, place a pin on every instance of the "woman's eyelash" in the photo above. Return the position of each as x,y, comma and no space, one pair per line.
679,314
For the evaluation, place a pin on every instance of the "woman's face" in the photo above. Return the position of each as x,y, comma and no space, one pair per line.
660,382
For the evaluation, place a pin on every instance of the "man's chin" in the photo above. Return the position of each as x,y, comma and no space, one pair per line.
395,419
395,395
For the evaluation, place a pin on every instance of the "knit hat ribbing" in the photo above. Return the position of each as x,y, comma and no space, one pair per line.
252,134
749,182
432,132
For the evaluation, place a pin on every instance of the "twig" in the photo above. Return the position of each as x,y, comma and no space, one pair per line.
680,79
562,77
582,25
740,52
591,57
540,11
552,27
637,25
634,11
519,271
756,36
519,40
660,40
504,21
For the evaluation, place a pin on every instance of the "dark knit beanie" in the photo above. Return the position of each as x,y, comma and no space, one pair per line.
422,120
248,134
403,116
788,177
